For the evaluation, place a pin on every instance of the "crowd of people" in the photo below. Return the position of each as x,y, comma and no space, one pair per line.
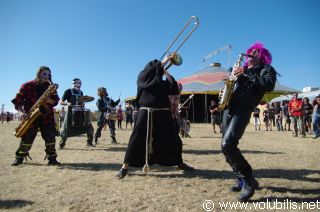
6,117
297,115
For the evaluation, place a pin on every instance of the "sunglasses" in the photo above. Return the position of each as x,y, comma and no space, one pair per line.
45,74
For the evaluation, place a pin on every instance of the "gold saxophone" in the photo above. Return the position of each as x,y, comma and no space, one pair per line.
34,112
226,94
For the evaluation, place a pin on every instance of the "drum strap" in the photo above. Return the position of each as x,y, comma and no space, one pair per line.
76,95
107,102
149,137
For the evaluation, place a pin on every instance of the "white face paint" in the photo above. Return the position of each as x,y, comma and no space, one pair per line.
77,84
45,75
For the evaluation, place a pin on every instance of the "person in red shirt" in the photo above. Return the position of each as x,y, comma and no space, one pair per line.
295,112
27,96
120,117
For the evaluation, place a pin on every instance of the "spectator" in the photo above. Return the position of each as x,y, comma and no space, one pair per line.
278,116
129,114
256,117
119,116
307,110
266,118
316,117
295,111
286,116
62,114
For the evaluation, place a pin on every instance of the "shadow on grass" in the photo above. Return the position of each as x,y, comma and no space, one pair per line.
33,164
287,201
288,174
293,190
294,174
91,166
84,149
9,204
205,174
97,148
214,152
212,136
117,149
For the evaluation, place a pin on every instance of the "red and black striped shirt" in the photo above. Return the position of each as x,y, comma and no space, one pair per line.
27,96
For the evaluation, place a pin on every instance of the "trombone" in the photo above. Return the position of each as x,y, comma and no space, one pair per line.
174,57
181,105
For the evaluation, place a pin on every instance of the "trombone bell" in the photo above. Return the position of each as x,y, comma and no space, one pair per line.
172,59
175,58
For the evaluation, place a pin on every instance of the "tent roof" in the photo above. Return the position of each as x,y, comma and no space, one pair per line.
210,80
311,95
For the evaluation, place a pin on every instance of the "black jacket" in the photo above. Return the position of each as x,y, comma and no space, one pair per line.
103,107
250,87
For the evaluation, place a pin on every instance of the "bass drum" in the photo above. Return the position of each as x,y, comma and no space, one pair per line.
80,117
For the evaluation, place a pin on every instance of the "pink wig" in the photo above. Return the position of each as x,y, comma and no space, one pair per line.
265,55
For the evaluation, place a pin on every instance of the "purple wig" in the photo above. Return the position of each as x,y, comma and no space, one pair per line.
265,55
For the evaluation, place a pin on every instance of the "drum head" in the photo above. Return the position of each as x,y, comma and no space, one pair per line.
85,98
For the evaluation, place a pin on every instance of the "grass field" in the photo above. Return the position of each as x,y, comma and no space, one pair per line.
286,167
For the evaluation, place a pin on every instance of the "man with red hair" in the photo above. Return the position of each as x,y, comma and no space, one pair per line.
255,78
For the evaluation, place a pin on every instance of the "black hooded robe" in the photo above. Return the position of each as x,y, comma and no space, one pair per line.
153,92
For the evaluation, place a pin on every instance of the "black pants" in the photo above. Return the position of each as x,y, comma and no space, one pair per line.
234,125
48,135
112,127
120,124
110,123
129,120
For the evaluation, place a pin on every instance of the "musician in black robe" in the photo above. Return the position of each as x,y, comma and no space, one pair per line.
154,130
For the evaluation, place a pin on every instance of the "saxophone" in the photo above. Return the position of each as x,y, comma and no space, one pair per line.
226,94
35,111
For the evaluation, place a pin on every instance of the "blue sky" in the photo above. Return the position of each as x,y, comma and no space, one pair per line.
107,43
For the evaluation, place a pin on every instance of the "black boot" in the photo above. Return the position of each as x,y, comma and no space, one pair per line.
185,167
96,141
17,161
122,173
90,144
248,189
53,161
237,186
62,143
114,141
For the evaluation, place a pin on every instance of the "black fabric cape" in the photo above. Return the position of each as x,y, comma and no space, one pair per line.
153,92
